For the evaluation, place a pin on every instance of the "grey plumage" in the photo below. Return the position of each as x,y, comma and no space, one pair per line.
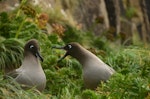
94,69
30,72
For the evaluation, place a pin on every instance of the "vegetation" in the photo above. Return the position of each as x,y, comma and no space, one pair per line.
64,79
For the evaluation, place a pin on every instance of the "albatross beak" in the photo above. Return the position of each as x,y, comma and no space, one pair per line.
38,55
60,47
62,57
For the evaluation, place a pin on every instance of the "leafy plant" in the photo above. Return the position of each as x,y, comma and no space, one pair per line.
131,12
123,87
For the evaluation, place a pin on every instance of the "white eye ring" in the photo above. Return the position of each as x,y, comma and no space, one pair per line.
31,46
70,46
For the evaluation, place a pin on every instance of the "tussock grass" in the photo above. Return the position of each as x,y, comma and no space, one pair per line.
11,54
9,89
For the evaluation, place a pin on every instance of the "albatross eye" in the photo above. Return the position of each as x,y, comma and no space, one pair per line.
69,46
31,46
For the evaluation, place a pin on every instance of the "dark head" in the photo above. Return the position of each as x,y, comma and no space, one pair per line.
73,49
32,47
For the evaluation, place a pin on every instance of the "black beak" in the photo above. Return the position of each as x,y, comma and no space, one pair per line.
60,47
62,57
38,55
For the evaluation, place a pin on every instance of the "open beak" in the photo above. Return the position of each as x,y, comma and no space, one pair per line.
58,47
39,56
63,57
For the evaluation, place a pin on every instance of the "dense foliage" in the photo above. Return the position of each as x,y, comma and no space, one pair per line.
64,79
